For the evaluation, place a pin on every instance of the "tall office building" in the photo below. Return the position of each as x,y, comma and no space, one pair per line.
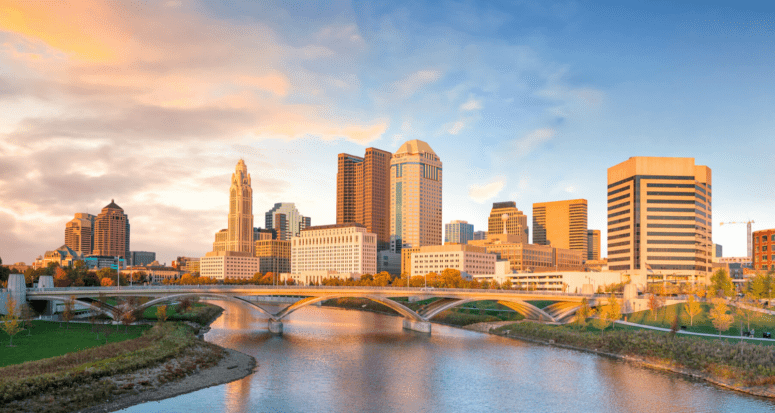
593,244
505,218
286,220
458,232
561,224
79,233
363,192
240,228
415,197
111,232
659,219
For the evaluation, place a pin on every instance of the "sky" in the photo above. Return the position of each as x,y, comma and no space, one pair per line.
152,103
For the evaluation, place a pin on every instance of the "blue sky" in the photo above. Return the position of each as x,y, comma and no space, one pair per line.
153,103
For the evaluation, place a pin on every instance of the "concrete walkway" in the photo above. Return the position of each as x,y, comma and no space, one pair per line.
627,323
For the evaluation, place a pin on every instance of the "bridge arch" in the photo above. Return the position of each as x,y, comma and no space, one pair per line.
526,309
396,306
175,297
107,310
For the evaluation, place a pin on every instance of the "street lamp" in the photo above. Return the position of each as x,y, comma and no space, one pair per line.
118,271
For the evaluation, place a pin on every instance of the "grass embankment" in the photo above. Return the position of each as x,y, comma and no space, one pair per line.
199,313
477,312
46,339
85,378
761,322
737,364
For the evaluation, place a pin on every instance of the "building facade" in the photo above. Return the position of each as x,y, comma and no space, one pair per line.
764,250
530,257
480,235
389,262
593,245
561,224
467,259
660,218
111,232
228,264
240,230
363,192
415,197
286,220
79,233
274,256
138,258
344,248
505,218
458,232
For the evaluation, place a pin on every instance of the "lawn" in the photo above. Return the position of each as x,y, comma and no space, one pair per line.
702,324
49,340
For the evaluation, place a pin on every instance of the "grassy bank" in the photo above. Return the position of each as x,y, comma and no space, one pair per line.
199,313
47,339
85,378
478,312
738,364
664,317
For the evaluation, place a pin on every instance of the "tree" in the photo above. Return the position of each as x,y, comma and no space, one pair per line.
718,315
746,307
11,323
654,304
68,314
721,284
602,321
184,305
583,313
693,308
507,285
107,282
27,315
613,310
759,286
128,309
61,279
161,313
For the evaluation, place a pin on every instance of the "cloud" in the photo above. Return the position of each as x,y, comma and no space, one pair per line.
481,193
531,141
471,104
455,127
410,84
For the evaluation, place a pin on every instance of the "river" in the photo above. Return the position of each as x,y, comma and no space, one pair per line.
332,360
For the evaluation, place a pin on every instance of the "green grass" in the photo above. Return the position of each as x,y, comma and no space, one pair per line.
542,303
48,340
702,324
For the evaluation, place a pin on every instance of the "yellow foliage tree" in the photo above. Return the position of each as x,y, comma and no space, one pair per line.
11,323
692,307
718,315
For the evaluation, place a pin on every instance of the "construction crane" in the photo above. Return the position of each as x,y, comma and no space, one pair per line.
750,250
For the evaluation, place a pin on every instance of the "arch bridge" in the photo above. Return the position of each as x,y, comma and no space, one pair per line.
561,311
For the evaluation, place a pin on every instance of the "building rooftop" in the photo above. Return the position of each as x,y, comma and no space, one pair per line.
415,146
344,225
113,205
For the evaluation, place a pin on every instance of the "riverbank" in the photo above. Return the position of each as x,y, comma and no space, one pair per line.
743,367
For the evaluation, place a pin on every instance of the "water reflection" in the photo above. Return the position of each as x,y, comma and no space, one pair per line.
340,360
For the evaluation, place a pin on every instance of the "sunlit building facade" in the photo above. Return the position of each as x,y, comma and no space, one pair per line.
561,224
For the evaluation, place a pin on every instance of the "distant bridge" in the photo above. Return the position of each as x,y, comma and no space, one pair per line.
562,310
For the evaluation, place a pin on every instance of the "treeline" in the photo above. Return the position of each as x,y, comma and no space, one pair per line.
79,275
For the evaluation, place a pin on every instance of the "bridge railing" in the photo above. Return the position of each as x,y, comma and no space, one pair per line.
279,288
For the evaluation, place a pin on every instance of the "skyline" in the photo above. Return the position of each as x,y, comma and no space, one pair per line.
579,88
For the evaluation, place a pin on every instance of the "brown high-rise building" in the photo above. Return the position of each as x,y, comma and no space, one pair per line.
111,232
79,233
660,219
593,244
505,218
363,192
561,224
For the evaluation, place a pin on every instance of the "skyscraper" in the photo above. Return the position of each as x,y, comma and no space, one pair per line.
415,196
659,218
593,244
111,232
561,224
240,228
458,232
286,220
515,222
79,233
363,192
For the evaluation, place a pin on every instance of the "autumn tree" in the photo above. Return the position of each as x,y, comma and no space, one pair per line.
67,313
60,278
161,313
107,282
583,313
718,315
613,310
692,307
10,322
184,305
654,304
27,314
746,307
721,284
602,321
507,285
128,316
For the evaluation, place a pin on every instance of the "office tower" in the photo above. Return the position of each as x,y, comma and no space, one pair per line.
240,229
363,192
286,220
505,218
111,232
274,256
415,196
561,224
458,232
220,240
480,235
717,251
659,219
467,259
79,233
343,248
593,244
141,258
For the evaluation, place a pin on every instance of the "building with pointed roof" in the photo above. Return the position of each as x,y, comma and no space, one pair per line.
111,232
79,233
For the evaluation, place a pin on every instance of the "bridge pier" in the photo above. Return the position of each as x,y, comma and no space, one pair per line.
276,327
419,326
